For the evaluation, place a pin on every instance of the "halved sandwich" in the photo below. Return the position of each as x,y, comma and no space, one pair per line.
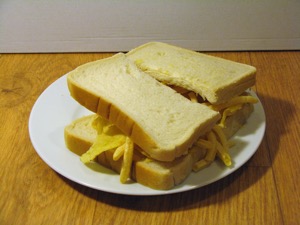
214,79
163,123
170,135
219,83
82,134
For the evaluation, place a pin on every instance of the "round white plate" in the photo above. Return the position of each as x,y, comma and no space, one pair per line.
55,109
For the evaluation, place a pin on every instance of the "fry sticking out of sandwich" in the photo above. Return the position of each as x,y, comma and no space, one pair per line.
160,112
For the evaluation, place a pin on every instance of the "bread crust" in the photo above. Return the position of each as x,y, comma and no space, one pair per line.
79,142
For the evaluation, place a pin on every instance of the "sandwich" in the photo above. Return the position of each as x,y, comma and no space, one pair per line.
214,79
81,135
144,126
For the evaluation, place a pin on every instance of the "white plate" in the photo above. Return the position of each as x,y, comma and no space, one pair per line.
54,109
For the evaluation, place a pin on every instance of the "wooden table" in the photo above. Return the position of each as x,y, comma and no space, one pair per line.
266,190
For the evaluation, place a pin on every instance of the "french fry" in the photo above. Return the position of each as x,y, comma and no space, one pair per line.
227,112
192,96
127,160
223,155
200,165
235,101
119,152
209,144
211,154
204,144
221,136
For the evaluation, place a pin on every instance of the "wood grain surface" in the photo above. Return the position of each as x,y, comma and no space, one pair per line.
264,191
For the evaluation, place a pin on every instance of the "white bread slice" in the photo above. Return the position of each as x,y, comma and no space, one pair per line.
214,79
159,120
80,135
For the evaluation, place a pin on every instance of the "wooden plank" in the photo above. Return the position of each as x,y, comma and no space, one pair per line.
278,83
264,191
245,197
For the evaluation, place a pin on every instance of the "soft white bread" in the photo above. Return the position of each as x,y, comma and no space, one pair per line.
215,79
80,135
160,121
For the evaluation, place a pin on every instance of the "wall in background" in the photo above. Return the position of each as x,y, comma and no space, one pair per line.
119,25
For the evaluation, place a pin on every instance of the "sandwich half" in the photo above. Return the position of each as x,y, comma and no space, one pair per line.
82,133
215,79
162,122
218,83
